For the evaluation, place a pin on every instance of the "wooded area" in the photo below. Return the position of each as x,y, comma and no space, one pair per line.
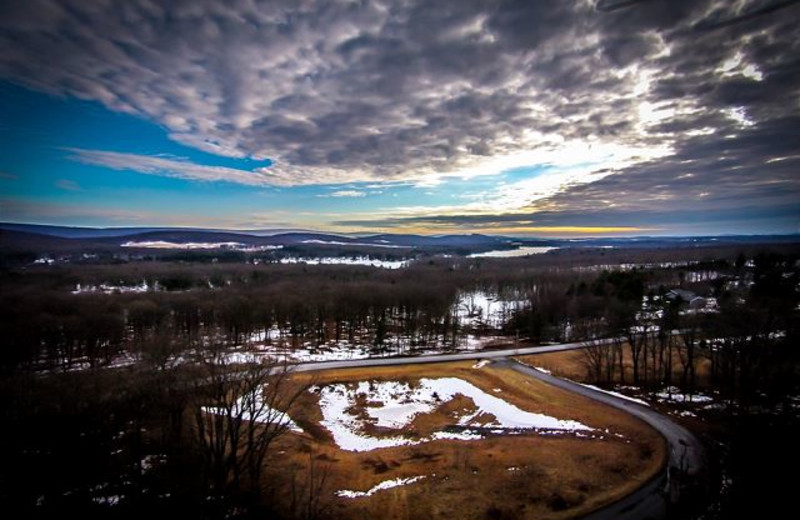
116,396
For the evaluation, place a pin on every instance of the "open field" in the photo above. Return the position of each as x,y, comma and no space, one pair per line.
533,473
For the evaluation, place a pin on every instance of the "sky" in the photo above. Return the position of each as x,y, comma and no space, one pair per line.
518,118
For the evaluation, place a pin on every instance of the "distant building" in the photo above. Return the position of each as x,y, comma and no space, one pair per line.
690,299
682,294
698,302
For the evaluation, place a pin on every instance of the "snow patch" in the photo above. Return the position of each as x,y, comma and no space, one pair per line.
361,260
615,394
113,289
386,484
379,243
251,407
394,405
465,435
107,500
165,244
480,308
675,395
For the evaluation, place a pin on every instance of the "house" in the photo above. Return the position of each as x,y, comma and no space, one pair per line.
682,294
687,298
698,302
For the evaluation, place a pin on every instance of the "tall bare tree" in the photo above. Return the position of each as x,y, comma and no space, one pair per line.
243,408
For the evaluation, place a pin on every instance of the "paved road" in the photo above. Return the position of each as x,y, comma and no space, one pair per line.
686,451
686,454
648,502
440,358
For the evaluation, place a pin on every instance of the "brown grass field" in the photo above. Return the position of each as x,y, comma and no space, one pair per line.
572,365
552,477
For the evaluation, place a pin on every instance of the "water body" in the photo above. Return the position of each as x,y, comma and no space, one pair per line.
510,253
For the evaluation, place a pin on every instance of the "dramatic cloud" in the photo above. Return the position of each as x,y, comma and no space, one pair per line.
171,167
660,104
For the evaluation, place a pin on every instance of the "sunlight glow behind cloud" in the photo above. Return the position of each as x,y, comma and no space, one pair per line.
606,109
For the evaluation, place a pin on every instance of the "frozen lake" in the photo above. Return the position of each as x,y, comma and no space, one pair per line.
510,253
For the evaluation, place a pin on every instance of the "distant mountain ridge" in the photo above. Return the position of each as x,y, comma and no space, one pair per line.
254,237
12,232
90,232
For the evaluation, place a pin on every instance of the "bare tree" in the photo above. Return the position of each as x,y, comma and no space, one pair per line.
688,354
242,410
599,356
593,359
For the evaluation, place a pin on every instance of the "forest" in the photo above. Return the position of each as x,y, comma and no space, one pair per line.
109,368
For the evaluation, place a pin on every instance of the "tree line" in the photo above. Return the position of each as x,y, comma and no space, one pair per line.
159,435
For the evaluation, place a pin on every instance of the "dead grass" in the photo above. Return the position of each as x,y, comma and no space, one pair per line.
552,477
572,365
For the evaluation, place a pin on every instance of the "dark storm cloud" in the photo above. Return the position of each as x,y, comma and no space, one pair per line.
342,91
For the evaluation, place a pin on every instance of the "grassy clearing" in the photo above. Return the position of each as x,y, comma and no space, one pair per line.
503,476
571,364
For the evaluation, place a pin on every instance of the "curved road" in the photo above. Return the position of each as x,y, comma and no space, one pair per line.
686,455
651,501
440,358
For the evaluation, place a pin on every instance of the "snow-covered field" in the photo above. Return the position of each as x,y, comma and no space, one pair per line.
341,351
361,260
113,289
478,308
338,243
164,244
392,406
